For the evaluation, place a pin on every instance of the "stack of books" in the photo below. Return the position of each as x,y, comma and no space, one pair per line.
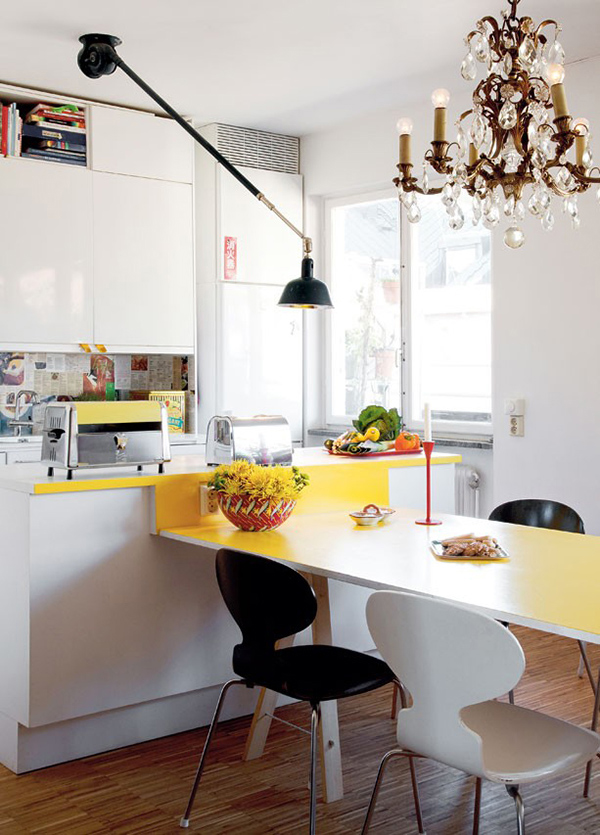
56,134
10,130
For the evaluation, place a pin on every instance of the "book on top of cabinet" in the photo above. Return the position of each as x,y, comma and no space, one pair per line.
44,132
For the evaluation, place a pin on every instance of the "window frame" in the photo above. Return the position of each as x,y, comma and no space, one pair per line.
330,203
464,429
456,429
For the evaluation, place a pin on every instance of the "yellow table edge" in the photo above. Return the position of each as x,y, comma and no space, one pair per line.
117,482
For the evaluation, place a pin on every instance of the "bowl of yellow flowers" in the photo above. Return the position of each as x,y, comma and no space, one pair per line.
257,498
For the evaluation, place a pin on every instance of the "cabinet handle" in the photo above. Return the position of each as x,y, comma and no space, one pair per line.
101,349
85,347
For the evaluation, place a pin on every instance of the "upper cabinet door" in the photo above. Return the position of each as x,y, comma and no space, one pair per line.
267,251
45,254
140,144
143,264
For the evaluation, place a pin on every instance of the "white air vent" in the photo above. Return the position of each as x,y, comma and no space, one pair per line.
259,149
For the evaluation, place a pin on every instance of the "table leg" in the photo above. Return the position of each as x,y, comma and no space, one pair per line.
588,770
261,721
329,732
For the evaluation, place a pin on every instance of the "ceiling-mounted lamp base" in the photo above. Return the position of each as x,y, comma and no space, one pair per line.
97,57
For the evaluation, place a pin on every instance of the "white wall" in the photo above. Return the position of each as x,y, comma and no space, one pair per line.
546,339
546,346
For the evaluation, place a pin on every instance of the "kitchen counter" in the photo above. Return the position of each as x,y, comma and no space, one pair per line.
110,635
33,478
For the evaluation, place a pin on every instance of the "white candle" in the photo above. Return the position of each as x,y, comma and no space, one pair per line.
427,422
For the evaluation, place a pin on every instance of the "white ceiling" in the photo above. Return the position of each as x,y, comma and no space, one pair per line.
291,67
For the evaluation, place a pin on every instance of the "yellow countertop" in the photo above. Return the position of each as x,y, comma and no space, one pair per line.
33,478
550,582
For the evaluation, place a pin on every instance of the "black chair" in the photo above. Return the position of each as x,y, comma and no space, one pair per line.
270,601
539,513
545,513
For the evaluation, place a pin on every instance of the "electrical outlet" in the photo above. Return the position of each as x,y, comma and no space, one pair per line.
208,500
517,426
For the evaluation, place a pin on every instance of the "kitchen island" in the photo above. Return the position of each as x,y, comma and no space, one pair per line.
109,635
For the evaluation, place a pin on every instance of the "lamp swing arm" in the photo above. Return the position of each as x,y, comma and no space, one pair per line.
99,57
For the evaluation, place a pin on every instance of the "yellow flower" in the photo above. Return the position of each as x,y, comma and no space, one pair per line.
272,484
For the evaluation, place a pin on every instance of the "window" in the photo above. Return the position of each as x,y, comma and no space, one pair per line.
403,335
364,332
447,295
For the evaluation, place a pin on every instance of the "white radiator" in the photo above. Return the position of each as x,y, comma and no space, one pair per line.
467,482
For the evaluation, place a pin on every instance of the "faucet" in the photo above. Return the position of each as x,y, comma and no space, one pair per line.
17,422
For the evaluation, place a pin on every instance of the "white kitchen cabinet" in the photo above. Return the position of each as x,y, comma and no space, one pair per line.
45,254
267,251
24,454
259,360
143,264
140,144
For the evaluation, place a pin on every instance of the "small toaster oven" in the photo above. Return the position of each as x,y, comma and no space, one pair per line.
105,434
264,439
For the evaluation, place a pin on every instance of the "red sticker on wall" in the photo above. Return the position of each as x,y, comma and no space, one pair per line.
230,259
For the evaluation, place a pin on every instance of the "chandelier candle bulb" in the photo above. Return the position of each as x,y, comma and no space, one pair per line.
556,75
404,126
473,155
405,149
581,129
440,99
439,124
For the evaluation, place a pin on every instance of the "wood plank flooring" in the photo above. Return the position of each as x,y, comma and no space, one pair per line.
142,790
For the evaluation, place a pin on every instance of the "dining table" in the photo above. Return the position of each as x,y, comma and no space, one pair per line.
549,581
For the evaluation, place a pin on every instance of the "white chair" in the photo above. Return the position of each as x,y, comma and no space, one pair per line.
455,663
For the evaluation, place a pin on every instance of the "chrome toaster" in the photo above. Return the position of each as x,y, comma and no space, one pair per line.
105,434
264,439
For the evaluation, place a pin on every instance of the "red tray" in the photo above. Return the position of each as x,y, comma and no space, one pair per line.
373,454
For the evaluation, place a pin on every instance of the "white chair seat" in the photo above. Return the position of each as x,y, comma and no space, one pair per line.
521,745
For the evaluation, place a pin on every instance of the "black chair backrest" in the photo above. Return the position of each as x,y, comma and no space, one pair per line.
539,513
268,599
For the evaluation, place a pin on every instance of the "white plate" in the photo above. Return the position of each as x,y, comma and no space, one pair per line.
438,550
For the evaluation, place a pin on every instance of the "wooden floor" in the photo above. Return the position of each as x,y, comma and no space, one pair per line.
143,789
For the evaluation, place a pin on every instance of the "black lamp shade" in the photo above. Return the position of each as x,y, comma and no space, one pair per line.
306,291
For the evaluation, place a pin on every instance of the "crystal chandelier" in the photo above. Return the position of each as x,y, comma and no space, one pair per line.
517,134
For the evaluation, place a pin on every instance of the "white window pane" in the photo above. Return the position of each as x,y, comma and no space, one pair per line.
365,330
450,316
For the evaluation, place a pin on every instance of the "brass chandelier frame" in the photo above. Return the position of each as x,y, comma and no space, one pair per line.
485,172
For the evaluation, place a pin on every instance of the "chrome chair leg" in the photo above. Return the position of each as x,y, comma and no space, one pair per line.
514,793
588,768
477,809
314,728
185,820
511,693
584,664
382,767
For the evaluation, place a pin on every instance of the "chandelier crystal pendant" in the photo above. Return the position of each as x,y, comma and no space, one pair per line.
517,147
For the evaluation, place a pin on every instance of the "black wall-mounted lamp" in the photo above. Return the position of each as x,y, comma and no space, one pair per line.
99,57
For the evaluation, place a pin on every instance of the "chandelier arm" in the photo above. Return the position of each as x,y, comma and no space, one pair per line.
585,179
544,23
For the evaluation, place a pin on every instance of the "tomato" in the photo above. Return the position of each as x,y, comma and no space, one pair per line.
406,441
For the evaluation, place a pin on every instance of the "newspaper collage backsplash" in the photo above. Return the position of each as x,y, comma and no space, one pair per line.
88,377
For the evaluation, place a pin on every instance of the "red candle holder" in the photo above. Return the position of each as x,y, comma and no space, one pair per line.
428,449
